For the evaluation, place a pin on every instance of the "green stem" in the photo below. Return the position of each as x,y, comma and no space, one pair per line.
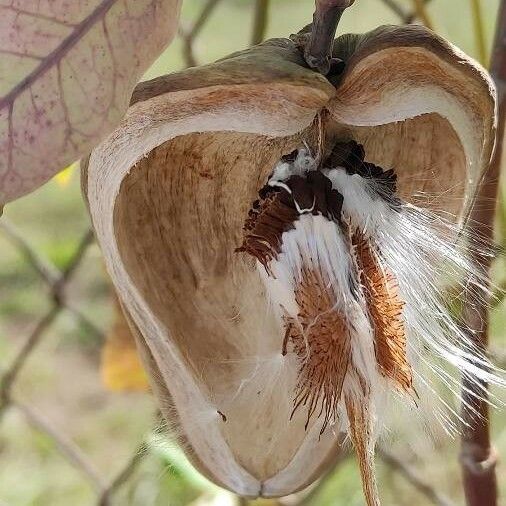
422,14
479,31
260,19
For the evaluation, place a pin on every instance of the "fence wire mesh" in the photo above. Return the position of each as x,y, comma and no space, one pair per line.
59,301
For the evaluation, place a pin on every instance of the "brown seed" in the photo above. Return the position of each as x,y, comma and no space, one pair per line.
385,310
321,340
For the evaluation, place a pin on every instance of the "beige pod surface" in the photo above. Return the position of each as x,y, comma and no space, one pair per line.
169,190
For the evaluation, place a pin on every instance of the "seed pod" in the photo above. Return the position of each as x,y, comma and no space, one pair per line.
273,292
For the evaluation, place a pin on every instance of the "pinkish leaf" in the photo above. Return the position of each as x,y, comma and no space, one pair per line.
67,70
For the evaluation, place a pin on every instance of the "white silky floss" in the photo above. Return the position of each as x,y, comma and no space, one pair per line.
421,250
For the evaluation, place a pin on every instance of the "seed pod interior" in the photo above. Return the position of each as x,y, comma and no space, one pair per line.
170,192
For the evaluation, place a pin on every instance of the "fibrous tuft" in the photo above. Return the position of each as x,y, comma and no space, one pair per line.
385,308
320,338
320,333
280,205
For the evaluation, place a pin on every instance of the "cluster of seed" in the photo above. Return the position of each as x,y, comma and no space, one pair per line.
320,334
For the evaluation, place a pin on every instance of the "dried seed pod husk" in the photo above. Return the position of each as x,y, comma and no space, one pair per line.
169,192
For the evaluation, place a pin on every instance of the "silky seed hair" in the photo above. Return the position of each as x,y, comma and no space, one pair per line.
358,278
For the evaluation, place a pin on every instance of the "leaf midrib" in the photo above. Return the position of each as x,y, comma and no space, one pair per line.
57,54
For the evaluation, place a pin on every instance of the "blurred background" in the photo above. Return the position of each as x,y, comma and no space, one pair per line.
82,428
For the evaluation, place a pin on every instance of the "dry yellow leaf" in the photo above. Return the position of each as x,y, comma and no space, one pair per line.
64,176
121,368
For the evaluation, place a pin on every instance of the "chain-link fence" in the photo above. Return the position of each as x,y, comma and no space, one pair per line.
61,302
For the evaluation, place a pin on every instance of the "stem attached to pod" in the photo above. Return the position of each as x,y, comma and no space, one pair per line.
326,17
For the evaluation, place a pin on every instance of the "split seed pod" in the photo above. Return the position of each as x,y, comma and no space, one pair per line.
280,281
